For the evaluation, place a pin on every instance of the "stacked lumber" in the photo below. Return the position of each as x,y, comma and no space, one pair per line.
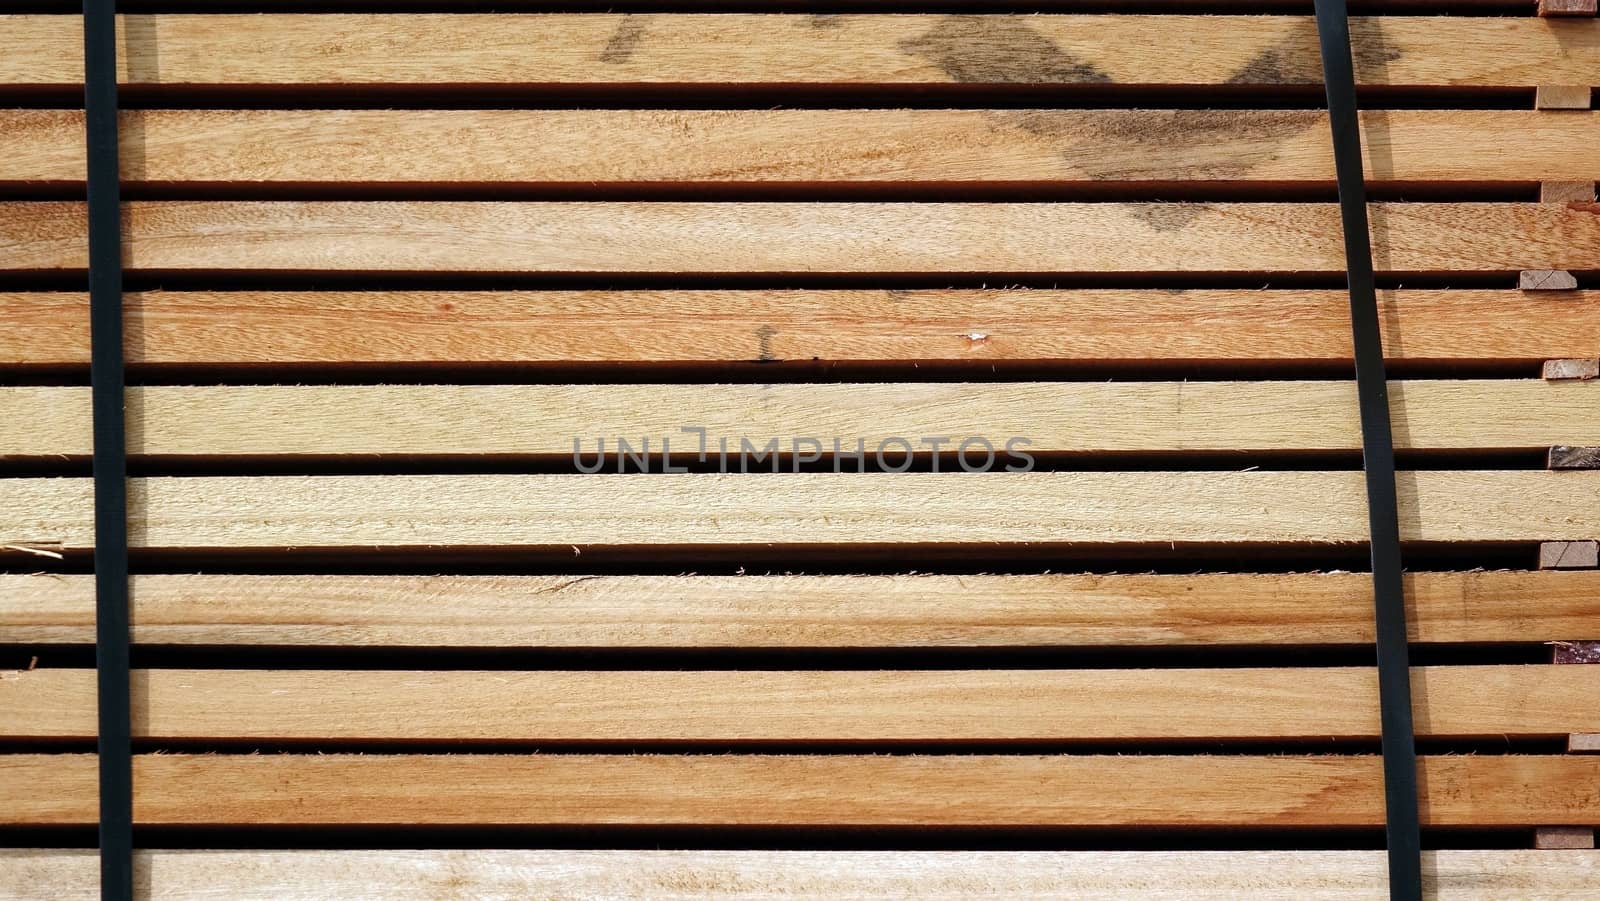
553,436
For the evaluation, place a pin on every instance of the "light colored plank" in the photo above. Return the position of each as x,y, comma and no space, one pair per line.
564,327
890,705
804,611
395,236
583,147
774,49
830,790
470,875
524,420
843,509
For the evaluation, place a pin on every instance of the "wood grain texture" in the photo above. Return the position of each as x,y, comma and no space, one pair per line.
536,50
544,420
1289,704
589,611
630,147
472,875
672,327
865,510
799,790
708,327
671,237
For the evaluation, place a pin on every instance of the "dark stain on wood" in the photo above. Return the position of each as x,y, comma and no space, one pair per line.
624,41
1289,62
764,336
1003,50
1167,217
1165,139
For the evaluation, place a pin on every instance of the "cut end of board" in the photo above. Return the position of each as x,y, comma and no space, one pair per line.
1565,8
1568,457
1563,838
1569,555
1565,370
1576,652
1561,97
1546,280
1566,192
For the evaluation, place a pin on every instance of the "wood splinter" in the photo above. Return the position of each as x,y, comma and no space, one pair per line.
1547,280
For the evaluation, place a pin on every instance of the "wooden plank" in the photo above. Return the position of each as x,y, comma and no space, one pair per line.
800,790
589,611
544,420
576,327
1386,7
547,50
462,875
1375,7
633,147
174,236
865,510
1288,704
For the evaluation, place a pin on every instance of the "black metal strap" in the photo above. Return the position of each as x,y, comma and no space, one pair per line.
110,450
1377,446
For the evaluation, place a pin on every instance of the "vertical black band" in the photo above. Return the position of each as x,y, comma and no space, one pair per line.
1394,674
110,450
